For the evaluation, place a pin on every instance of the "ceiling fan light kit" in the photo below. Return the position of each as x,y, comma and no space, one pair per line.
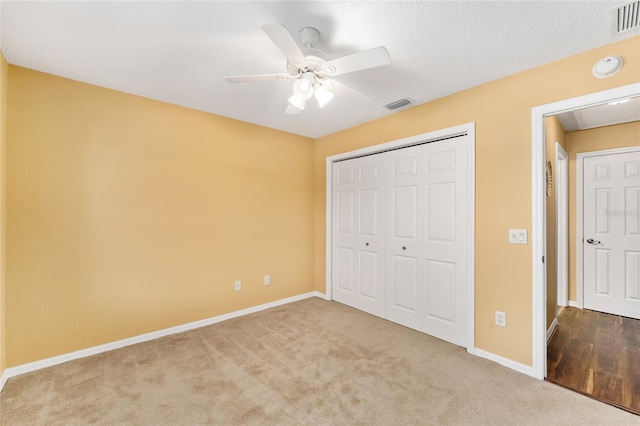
309,69
323,95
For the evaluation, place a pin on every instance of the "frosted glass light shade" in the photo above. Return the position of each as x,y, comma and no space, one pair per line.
297,101
323,96
303,89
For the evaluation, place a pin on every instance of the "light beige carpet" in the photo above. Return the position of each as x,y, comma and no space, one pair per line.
311,362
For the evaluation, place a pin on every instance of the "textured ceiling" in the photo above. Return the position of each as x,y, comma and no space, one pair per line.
180,52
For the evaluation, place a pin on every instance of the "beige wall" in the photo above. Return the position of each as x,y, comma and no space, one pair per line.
127,215
618,136
502,113
3,132
554,132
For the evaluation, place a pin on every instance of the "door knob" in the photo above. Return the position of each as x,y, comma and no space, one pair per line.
404,248
592,241
366,244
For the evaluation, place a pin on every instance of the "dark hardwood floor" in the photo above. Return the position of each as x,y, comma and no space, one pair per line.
598,355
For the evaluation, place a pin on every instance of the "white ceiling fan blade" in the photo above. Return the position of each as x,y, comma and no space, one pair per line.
283,40
371,58
260,77
343,91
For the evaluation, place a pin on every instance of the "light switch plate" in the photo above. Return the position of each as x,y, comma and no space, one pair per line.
517,236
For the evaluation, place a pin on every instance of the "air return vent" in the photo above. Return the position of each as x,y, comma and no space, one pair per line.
625,18
403,103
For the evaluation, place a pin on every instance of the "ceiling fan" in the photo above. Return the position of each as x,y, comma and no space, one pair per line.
310,69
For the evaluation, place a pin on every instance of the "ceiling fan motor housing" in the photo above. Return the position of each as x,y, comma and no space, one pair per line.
315,59
309,37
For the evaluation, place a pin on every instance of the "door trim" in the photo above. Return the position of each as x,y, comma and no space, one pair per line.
580,211
562,227
469,130
539,226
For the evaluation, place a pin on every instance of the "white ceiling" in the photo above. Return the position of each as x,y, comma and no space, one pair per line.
180,52
601,115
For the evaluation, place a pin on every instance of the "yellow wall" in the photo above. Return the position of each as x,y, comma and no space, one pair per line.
127,215
609,137
502,113
3,132
554,132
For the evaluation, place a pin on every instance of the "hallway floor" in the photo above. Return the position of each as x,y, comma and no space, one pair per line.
598,355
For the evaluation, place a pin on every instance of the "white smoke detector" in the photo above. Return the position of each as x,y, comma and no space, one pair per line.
607,67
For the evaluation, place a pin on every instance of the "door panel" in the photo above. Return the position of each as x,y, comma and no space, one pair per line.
441,298
345,269
402,302
369,276
369,212
602,208
445,241
441,212
632,221
611,245
406,284
603,272
404,211
632,276
345,212
357,244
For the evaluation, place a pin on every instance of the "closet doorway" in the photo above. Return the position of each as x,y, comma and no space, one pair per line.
400,232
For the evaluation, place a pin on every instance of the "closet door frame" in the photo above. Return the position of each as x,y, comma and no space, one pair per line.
469,130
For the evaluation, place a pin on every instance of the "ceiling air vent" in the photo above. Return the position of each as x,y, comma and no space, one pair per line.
403,103
625,18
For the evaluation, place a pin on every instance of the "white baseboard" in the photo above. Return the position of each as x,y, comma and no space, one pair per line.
551,329
3,379
514,365
573,303
321,295
48,362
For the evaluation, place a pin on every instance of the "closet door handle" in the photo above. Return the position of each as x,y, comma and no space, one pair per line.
366,244
404,248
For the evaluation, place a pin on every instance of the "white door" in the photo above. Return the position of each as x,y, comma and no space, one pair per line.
445,239
403,245
358,242
402,237
611,233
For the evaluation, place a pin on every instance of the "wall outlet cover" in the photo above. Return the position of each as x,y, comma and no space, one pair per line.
517,236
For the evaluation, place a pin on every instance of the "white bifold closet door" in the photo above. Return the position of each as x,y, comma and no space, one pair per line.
400,237
403,229
358,242
446,243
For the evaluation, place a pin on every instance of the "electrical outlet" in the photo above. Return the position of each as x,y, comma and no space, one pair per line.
501,319
267,280
238,285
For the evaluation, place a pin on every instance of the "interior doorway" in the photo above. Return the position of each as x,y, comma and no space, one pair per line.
576,347
539,229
